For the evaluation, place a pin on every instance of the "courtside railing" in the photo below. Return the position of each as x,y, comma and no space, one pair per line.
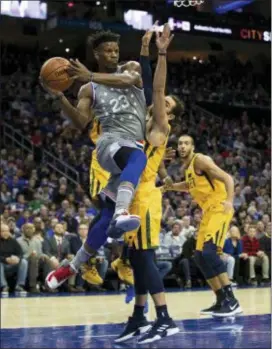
12,137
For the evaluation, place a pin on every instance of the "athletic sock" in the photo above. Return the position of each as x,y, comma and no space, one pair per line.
220,295
81,257
138,312
228,291
162,311
124,196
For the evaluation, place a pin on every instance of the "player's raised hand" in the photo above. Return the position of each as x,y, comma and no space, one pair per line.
78,71
164,39
148,35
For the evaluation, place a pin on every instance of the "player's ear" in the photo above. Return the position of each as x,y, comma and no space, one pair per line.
171,117
96,55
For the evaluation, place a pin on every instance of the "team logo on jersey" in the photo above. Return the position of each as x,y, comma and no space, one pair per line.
187,3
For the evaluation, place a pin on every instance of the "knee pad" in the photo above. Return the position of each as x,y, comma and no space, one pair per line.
144,261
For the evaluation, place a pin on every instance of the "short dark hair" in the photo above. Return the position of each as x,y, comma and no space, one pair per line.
178,109
103,36
186,135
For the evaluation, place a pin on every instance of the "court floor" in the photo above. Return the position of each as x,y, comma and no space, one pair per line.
93,321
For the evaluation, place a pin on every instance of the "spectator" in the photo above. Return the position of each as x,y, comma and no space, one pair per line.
260,230
233,251
14,230
5,194
60,194
75,244
188,230
39,226
175,239
187,263
82,217
265,245
57,247
50,231
32,252
256,256
72,223
238,199
11,262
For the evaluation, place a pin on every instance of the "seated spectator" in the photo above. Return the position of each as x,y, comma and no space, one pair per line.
72,223
163,260
188,266
82,217
233,251
251,247
32,252
57,247
14,230
11,262
188,230
50,231
265,245
260,230
174,240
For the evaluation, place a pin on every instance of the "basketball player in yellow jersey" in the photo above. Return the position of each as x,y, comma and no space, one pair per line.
213,190
147,204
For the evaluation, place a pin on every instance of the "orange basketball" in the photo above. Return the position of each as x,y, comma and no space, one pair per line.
54,73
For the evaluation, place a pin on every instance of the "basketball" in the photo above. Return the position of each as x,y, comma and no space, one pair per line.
54,73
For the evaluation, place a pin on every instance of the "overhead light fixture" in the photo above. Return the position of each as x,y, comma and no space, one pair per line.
194,58
67,49
105,7
98,3
60,41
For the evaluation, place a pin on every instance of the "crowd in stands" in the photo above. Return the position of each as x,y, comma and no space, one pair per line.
44,218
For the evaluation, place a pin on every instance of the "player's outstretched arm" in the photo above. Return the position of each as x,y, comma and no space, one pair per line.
158,126
206,164
78,71
145,65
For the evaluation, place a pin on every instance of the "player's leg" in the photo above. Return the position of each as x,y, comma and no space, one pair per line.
143,258
125,159
213,267
137,323
97,236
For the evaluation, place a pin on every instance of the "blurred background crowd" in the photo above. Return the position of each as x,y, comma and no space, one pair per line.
45,205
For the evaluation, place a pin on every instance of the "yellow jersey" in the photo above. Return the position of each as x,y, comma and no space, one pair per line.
205,191
154,158
98,176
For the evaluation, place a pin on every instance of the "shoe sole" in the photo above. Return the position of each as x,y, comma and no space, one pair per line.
236,311
169,332
119,228
206,313
141,330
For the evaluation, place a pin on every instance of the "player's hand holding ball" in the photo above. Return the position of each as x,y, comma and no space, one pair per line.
54,76
78,71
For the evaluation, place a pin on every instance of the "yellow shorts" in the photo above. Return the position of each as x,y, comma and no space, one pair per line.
214,225
148,205
98,177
